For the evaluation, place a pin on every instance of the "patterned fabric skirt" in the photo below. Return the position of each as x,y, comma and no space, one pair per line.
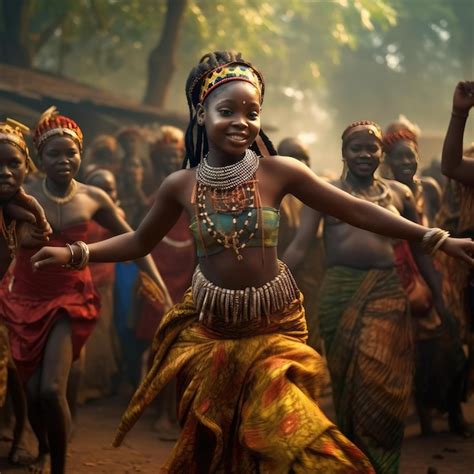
247,397
365,324
6,362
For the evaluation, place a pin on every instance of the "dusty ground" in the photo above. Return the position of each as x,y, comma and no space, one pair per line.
90,450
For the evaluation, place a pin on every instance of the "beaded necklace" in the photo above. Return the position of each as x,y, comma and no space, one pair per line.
382,199
226,177
60,199
229,190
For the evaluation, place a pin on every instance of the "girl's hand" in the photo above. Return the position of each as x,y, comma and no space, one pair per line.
462,249
463,98
51,256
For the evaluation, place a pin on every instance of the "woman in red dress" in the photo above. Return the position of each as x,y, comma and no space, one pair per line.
51,314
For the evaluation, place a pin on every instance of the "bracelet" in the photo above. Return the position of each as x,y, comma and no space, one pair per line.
82,262
433,240
71,261
457,114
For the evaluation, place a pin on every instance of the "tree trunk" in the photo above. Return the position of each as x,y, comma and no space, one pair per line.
162,59
13,43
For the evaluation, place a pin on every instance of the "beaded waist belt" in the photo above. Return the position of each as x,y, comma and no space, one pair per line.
250,304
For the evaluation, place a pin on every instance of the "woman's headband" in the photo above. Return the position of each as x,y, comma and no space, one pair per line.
392,138
370,128
51,124
13,132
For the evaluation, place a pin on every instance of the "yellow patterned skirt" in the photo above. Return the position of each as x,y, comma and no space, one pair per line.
247,397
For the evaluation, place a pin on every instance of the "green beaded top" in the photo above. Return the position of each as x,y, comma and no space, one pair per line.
224,224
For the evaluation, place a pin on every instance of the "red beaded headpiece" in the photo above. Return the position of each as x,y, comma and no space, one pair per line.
52,124
402,134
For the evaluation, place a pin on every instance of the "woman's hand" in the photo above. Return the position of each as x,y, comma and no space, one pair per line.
463,98
50,256
463,249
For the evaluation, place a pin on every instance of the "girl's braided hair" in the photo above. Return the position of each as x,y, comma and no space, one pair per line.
196,141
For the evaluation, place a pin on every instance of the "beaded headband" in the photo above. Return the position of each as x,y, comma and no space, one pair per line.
234,71
391,138
51,124
370,128
13,132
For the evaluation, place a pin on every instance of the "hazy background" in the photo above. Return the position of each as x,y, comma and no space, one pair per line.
326,63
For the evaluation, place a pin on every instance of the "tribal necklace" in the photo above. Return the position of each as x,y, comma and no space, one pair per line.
382,199
230,190
61,199
9,234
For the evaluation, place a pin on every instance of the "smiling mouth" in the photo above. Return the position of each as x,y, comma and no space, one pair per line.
238,138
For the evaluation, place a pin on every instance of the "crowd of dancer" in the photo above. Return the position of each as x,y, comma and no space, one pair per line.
222,280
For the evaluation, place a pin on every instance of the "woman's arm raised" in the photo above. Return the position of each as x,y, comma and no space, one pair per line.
453,164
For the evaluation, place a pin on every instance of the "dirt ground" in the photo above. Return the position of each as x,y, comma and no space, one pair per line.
90,450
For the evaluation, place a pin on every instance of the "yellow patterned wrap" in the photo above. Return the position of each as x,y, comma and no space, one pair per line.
227,73
247,397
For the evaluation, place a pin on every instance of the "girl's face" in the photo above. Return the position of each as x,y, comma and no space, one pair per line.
61,159
231,115
12,170
403,161
363,154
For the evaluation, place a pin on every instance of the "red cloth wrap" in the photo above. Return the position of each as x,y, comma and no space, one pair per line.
31,302
176,265
103,274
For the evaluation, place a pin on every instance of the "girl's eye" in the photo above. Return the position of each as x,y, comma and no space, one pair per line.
253,115
226,112
71,153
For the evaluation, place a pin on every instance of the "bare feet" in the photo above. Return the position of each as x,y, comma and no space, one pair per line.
20,456
40,466
167,430
458,424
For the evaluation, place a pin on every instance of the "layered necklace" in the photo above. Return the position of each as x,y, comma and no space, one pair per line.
230,190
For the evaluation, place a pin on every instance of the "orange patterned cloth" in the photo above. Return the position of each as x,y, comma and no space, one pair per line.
247,397
6,362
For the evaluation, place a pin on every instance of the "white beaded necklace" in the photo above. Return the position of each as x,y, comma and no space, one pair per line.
227,177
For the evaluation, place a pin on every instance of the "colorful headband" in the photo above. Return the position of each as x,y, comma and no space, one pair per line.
51,124
370,128
403,134
230,72
13,132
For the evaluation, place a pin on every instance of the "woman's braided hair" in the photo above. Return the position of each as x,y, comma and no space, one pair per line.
196,149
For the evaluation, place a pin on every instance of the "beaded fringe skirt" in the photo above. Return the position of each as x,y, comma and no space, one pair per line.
250,304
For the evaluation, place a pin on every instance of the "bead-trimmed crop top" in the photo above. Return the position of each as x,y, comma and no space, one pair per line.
223,223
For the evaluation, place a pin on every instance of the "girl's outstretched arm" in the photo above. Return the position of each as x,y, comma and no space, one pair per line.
300,181
453,164
132,245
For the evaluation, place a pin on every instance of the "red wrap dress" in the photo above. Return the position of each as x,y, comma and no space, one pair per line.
31,302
